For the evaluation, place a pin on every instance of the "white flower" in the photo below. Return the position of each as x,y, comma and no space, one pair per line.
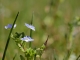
27,39
9,26
30,26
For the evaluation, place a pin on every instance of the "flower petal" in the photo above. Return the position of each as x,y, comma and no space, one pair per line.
9,26
30,26
27,39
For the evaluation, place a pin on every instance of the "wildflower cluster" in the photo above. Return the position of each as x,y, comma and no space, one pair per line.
24,38
21,39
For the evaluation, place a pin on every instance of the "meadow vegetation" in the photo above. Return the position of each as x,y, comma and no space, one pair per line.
60,19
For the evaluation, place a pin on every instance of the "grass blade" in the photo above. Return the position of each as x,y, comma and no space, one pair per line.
7,43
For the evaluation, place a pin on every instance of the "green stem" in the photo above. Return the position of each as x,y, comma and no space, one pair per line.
70,46
71,38
31,30
30,36
7,43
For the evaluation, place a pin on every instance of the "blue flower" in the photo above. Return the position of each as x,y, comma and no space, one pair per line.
9,26
30,26
27,39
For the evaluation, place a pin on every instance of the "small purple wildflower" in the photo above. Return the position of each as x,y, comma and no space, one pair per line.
30,26
9,26
27,39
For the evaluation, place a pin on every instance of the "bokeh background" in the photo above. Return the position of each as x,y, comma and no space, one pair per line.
50,18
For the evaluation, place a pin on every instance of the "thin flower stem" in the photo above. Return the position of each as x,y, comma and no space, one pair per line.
30,36
31,30
71,39
7,43
70,46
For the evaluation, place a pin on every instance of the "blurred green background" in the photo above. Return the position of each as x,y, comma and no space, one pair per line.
50,18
